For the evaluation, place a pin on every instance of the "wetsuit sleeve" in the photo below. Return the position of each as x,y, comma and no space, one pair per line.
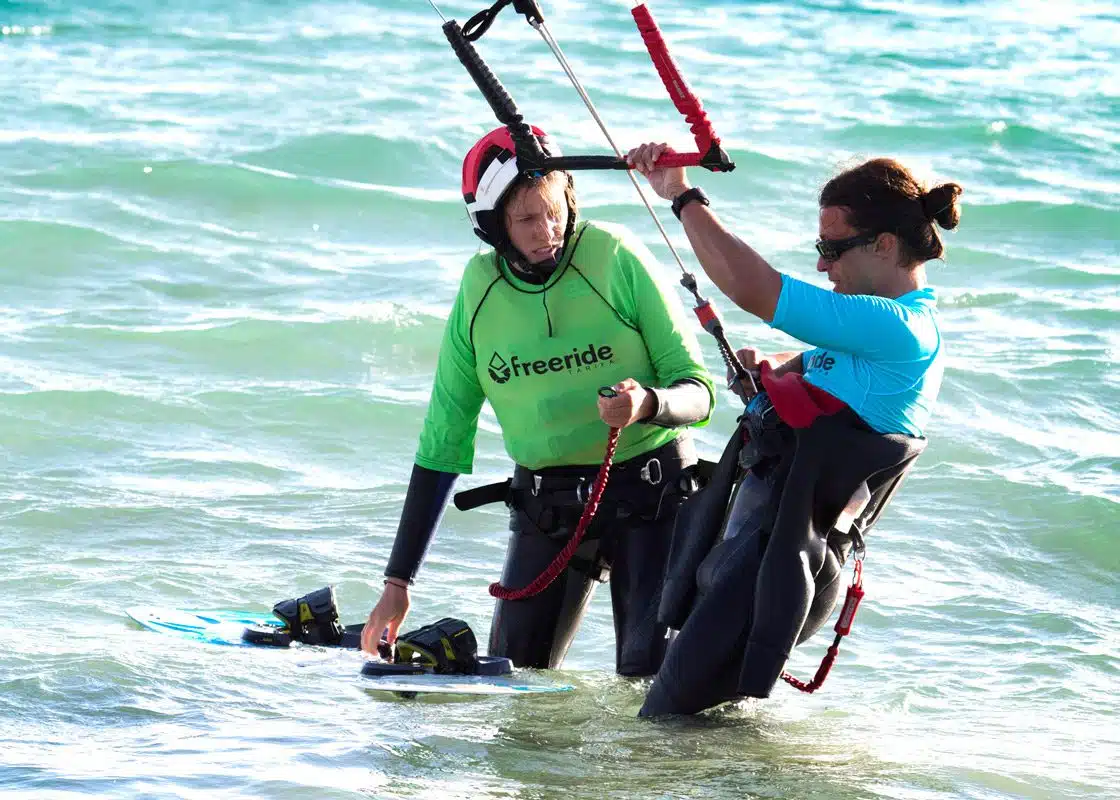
875,328
447,439
424,503
684,403
670,342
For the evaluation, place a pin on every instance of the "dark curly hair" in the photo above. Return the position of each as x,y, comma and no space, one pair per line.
882,196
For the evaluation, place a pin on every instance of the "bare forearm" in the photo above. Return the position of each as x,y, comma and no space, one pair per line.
733,265
787,362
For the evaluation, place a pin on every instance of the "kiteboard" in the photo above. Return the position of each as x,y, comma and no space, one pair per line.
228,626
510,685
214,626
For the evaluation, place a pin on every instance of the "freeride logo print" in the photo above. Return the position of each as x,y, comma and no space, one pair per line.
822,361
499,369
591,357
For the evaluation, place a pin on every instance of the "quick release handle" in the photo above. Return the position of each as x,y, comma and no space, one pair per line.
529,153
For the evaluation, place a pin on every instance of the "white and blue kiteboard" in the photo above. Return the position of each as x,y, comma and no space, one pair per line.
225,627
220,626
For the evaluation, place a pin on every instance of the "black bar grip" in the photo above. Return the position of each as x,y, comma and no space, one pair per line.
529,153
584,162
716,159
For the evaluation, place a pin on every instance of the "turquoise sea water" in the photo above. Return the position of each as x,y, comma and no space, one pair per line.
229,236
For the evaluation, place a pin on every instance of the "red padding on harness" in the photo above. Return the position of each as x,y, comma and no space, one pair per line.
797,401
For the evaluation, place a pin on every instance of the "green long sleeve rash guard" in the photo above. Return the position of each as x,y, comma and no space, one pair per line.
539,352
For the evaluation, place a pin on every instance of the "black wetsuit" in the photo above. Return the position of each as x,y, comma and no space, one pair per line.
745,588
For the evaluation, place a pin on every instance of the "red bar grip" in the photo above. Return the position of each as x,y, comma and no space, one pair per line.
679,160
683,98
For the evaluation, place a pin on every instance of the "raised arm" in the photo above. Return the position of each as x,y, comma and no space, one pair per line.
733,265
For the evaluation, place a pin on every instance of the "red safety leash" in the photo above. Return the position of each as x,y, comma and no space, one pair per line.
542,581
843,628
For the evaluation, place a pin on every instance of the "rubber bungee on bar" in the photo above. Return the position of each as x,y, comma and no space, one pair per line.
709,153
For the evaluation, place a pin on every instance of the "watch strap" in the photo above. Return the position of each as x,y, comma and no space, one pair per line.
684,198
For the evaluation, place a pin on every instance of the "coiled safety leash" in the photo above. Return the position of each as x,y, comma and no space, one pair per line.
552,572
843,628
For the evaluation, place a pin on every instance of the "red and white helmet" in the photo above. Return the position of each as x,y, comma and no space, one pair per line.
489,172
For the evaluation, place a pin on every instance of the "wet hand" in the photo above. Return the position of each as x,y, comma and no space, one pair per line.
631,402
667,182
389,613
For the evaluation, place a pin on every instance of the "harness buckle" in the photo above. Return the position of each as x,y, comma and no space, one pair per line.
536,490
651,473
583,491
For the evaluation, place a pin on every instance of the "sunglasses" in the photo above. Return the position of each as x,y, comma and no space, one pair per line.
832,249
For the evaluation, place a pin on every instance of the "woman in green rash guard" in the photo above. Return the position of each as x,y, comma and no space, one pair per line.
556,310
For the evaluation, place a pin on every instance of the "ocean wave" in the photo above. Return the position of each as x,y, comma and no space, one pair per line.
243,210
1027,218
991,299
364,158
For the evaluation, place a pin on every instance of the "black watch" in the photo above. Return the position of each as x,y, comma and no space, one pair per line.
686,197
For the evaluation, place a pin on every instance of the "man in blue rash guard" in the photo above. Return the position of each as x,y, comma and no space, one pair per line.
770,576
876,336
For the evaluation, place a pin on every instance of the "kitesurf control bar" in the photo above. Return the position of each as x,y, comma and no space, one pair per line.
529,155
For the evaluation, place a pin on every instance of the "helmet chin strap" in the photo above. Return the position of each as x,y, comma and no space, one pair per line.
541,269
545,268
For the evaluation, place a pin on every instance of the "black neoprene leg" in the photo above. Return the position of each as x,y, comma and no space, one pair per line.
537,631
785,588
828,586
640,549
701,668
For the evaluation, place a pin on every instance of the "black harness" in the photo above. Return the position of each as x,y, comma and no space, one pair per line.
553,497
761,595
